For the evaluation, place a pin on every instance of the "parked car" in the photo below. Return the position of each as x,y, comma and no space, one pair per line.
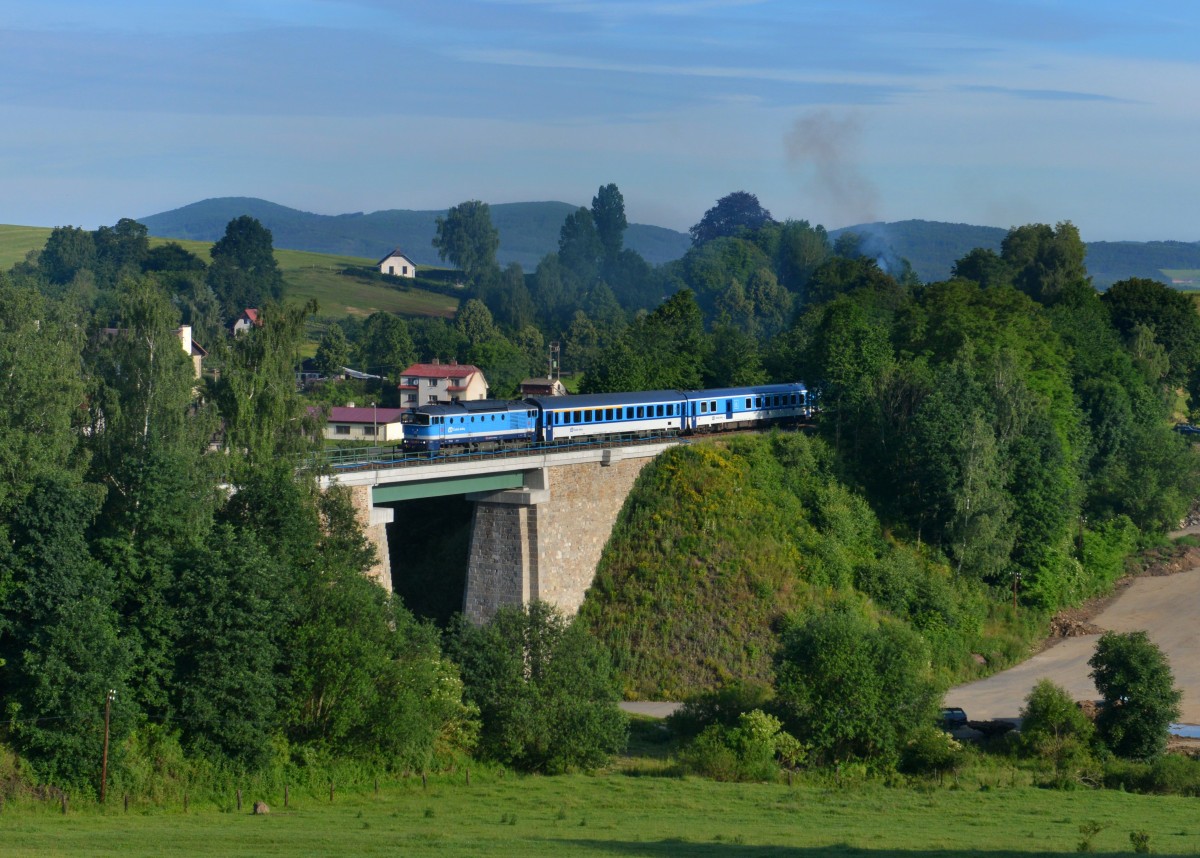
953,718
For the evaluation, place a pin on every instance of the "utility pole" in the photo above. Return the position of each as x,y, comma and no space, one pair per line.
108,699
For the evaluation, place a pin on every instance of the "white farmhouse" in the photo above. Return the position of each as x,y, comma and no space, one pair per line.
397,265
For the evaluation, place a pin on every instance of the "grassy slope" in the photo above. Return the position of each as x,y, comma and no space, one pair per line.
16,241
308,275
759,523
613,814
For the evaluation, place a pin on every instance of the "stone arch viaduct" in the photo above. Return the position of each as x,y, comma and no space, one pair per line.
539,524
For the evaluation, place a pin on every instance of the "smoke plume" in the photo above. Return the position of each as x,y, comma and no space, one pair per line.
824,147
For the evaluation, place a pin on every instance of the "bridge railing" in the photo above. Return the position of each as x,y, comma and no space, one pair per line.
368,458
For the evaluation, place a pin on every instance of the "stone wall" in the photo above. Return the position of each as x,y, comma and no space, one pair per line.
575,524
544,542
374,521
502,559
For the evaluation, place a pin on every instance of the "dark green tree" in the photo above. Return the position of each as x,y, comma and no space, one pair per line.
68,250
1169,314
467,238
244,272
1140,698
732,213
1044,261
42,389
545,690
851,687
580,249
608,214
60,649
385,346
333,352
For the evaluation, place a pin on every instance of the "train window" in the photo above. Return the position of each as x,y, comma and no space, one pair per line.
703,407
641,411
659,411
628,412
758,402
712,406
747,401
578,415
608,414
776,400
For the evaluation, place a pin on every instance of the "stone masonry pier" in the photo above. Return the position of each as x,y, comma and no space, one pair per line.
537,537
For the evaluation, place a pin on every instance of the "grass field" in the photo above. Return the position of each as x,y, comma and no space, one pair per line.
618,814
16,241
308,275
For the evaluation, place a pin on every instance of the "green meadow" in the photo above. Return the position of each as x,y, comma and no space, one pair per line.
308,275
618,814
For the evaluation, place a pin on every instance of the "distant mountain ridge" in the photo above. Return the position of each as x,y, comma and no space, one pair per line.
528,231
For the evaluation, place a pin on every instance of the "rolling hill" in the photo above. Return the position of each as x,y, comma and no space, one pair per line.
528,231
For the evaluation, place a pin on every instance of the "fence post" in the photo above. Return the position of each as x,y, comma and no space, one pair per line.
64,803
239,799
331,791
127,802
285,795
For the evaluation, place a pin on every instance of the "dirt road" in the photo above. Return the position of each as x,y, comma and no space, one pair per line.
1168,607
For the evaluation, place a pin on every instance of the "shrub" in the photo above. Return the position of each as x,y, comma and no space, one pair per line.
751,751
723,707
931,752
852,687
1056,730
1141,700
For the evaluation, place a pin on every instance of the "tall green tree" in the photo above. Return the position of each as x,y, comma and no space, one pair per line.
60,649
608,214
467,238
732,213
385,346
1043,260
333,352
580,248
1167,313
43,391
149,436
244,272
265,418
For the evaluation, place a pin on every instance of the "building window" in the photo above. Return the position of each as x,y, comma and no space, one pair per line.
368,430
339,429
433,400
391,269
404,270
412,397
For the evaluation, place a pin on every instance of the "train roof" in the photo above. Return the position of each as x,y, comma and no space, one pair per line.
747,390
605,400
473,406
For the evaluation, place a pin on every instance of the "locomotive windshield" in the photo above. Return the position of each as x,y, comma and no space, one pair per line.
415,418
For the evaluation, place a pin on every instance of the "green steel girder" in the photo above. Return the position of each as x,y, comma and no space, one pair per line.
446,486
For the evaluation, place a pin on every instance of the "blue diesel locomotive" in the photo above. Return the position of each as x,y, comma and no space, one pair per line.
497,424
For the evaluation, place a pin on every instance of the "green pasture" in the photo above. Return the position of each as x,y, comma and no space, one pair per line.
308,275
618,814
16,241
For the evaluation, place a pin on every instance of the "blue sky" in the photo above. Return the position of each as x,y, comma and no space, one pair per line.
839,112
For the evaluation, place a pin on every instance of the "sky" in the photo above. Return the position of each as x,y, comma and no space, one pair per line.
990,112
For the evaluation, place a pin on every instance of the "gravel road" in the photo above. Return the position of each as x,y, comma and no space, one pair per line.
1167,607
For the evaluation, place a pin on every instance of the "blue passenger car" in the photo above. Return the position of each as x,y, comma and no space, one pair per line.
744,407
478,424
607,415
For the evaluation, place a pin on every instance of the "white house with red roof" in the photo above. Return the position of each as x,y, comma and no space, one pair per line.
433,383
364,423
397,265
245,321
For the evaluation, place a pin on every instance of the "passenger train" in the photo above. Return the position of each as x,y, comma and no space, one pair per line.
490,424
